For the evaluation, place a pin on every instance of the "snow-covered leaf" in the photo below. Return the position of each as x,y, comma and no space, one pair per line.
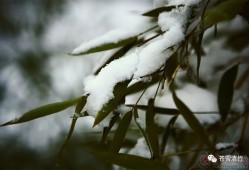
157,11
129,161
119,93
226,89
141,85
110,40
43,111
226,10
121,52
120,133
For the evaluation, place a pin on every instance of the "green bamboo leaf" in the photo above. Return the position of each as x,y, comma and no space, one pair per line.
69,135
80,105
152,129
226,89
139,86
121,52
120,133
192,121
198,51
171,66
129,161
107,130
167,133
135,114
224,11
119,93
111,44
43,111
158,110
157,11
167,111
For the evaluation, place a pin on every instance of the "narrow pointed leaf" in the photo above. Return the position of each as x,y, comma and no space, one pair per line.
171,66
43,111
157,11
226,10
192,121
167,133
226,89
69,135
107,130
121,52
158,110
119,93
108,41
152,129
120,133
139,86
80,105
135,114
129,161
198,51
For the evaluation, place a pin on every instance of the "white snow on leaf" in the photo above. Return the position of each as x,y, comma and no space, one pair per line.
185,2
154,55
220,146
176,18
101,87
147,59
151,58
113,36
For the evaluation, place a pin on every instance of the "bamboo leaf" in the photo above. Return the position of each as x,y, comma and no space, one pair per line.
192,121
121,52
120,133
119,93
158,110
226,10
129,161
167,133
198,51
226,89
157,11
69,135
107,130
135,114
96,46
80,105
139,86
43,111
152,129
171,67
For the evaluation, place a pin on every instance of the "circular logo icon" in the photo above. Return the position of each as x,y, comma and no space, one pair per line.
207,161
203,161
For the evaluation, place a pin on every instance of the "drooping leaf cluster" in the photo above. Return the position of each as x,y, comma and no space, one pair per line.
206,15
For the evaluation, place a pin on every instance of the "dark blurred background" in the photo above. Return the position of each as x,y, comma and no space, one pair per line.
35,37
